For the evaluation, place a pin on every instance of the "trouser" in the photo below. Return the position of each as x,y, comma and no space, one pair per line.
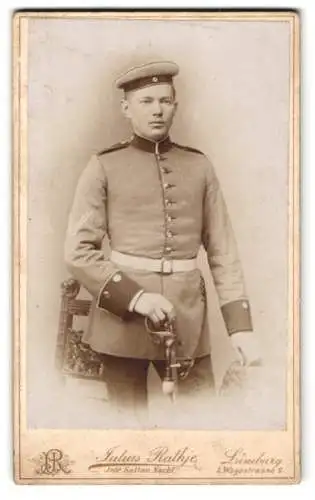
126,380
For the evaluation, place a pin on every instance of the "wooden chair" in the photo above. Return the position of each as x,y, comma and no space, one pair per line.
73,357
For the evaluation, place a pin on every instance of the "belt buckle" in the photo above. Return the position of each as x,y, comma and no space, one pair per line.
166,266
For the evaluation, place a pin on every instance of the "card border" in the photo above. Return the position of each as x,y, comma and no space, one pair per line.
19,226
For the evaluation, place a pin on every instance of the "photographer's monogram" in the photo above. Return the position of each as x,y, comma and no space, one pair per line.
52,463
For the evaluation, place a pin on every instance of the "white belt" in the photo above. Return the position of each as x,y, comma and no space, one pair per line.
163,266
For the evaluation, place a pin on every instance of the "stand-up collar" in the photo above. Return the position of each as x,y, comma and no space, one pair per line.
151,146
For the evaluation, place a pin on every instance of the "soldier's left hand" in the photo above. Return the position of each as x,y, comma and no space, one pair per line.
247,347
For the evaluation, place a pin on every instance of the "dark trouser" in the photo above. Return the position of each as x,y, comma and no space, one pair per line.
126,380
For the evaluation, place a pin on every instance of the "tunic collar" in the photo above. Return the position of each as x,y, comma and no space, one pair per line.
151,146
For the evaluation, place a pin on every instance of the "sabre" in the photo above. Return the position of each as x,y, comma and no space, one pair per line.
175,367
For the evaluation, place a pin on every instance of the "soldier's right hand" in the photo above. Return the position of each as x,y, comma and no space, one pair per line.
156,307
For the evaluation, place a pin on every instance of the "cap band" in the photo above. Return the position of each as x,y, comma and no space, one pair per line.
146,81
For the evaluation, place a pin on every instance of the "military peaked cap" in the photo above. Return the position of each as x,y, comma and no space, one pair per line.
147,74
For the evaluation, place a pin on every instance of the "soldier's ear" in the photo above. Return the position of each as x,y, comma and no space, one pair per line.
124,104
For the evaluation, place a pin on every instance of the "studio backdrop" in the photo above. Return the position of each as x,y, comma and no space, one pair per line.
233,94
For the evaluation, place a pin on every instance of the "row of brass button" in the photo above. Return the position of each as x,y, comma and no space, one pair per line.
168,203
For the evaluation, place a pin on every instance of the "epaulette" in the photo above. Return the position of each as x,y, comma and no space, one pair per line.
114,147
188,148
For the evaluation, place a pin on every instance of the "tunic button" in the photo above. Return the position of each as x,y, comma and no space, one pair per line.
166,170
167,185
168,249
169,203
169,234
106,294
245,305
169,218
117,278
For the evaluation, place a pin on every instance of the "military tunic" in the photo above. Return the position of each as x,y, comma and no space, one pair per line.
159,201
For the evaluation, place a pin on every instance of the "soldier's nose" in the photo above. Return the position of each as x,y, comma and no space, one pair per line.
157,111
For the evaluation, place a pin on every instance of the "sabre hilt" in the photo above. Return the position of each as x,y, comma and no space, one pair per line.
174,368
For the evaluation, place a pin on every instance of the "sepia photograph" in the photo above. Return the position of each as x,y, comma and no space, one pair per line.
156,163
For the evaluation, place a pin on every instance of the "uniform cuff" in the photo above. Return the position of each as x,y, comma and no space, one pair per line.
117,294
237,316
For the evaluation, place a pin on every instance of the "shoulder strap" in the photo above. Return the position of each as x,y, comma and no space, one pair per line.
114,147
188,148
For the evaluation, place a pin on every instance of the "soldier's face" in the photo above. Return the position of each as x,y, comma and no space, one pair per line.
151,110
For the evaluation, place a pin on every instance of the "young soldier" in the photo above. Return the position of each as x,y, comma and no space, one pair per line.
157,202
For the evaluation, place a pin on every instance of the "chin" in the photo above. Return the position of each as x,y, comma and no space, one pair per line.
157,135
